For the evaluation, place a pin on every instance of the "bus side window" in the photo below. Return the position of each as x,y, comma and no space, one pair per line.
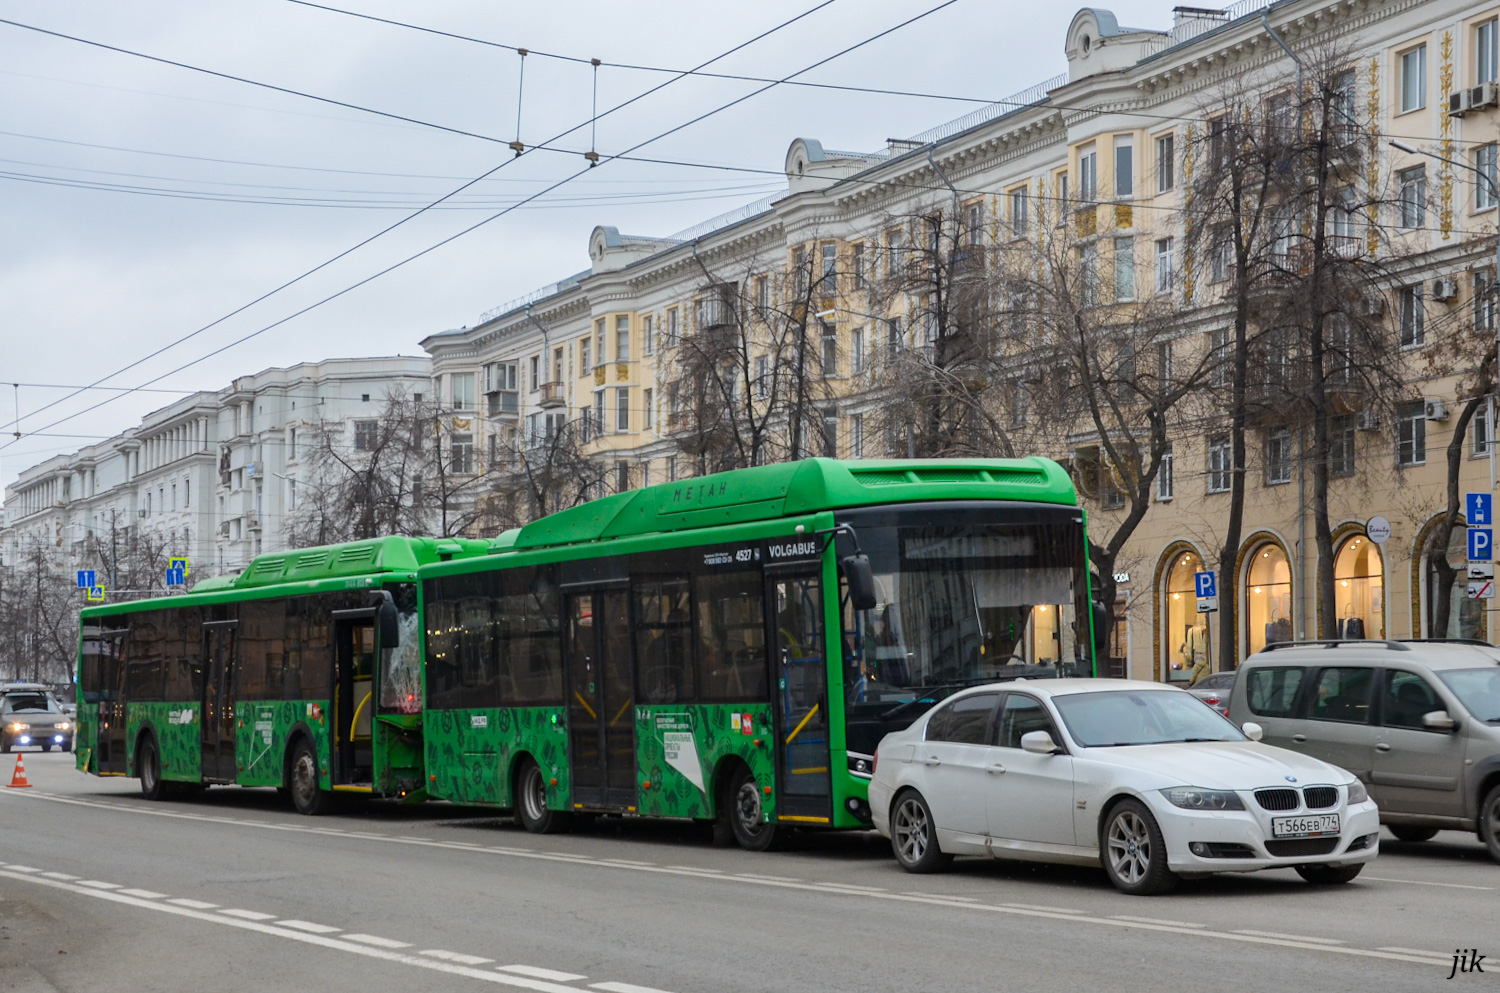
663,640
731,637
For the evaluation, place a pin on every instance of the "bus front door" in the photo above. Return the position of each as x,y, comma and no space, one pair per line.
218,701
801,694
601,711
353,697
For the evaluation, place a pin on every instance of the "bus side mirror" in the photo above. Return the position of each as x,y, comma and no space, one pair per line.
388,621
861,581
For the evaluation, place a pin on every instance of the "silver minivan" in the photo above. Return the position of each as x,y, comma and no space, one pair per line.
1417,721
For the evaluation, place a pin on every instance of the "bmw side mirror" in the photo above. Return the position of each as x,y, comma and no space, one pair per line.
1038,743
1252,730
1439,720
861,580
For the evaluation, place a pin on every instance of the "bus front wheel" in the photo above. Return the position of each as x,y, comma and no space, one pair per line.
308,796
744,812
530,798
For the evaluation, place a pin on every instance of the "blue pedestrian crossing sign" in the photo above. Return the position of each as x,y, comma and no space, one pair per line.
96,594
85,578
1479,508
1205,584
178,562
1481,544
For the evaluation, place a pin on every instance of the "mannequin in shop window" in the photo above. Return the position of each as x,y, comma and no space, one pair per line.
1278,628
1195,652
1351,627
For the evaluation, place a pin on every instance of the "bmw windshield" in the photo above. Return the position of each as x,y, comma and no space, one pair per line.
1141,717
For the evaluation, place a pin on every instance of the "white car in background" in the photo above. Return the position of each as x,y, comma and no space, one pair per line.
1138,776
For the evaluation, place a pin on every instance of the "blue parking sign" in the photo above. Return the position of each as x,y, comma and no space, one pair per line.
1481,545
1479,508
1205,584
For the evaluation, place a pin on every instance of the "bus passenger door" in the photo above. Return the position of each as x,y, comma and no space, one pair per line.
353,697
218,700
109,757
601,701
801,694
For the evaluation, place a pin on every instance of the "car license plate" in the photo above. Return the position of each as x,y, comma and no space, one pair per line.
1307,826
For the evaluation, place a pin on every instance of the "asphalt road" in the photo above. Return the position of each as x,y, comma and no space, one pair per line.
100,889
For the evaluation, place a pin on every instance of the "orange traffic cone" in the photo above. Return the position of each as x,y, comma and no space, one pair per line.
19,779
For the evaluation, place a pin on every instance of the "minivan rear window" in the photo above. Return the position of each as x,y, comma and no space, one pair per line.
1271,691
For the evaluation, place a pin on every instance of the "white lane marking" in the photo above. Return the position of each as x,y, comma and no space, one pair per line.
633,862
1158,920
61,875
459,957
23,868
943,896
183,901
248,915
1423,882
96,884
1036,906
1289,937
1435,956
697,868
309,926
624,988
853,888
411,837
144,894
536,972
322,941
763,878
777,882
377,941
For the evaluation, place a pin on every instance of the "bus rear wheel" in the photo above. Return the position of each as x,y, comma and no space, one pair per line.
308,796
745,814
532,812
148,768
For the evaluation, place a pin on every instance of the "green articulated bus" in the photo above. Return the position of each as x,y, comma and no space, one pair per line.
731,648
303,672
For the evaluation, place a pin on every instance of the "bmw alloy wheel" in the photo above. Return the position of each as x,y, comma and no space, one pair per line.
1129,846
912,829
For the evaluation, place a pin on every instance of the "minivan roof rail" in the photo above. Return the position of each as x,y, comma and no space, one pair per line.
1395,646
1449,641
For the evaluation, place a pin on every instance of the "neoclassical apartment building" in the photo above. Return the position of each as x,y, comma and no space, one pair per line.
213,476
600,350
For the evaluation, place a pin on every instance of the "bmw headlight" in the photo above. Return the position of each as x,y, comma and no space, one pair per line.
1192,798
1357,792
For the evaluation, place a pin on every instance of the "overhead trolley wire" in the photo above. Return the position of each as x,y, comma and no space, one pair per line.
391,227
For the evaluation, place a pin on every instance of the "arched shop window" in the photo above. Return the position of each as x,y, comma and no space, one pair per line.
1185,638
1465,616
1268,598
1359,589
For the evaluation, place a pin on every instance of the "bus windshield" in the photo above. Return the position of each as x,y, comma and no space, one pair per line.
966,603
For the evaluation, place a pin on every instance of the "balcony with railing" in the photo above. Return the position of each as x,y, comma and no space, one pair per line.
553,395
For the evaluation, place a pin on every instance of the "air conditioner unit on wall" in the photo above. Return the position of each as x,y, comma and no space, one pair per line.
1374,305
1445,289
1436,410
1472,98
1366,420
1459,102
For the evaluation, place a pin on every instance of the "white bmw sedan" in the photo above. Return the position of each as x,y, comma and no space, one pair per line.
1138,776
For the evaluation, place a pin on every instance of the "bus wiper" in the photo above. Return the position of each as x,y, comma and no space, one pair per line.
928,696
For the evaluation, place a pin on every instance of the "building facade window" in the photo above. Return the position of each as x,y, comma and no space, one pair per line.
830,268
1020,213
830,434
762,377
1411,317
648,414
1414,79
1485,190
1185,635
1220,464
599,402
622,409
1165,248
1124,166
1484,301
974,223
1165,482
1359,589
463,395
1088,174
1218,358
830,352
461,450
1486,55
856,266
1412,197
856,436
1411,434
1341,445
1278,456
1088,274
1124,269
648,334
622,338
585,353
857,351
1479,429
1268,598
1166,165
366,436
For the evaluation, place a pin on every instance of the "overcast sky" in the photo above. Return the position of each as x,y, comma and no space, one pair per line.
212,192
